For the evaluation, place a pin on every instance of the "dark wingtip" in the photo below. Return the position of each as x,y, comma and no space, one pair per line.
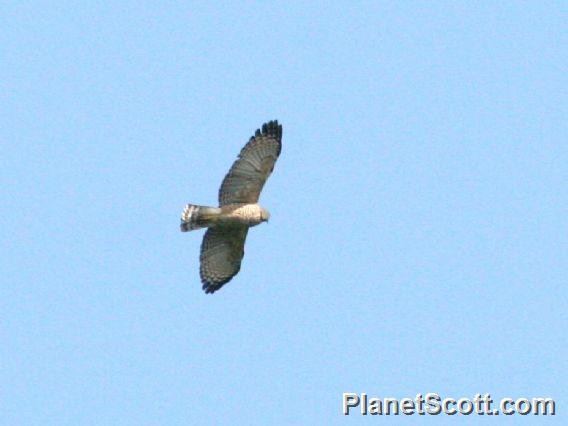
210,288
272,128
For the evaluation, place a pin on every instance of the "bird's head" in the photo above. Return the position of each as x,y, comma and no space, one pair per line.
264,215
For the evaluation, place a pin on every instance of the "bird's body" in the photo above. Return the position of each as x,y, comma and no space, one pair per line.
195,217
245,214
222,248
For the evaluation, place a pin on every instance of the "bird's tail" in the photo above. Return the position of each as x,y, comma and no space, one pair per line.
195,217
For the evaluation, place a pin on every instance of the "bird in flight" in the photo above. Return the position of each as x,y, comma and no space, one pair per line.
222,248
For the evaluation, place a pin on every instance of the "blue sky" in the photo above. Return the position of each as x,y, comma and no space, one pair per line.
418,238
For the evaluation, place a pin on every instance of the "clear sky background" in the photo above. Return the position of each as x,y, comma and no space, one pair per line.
419,234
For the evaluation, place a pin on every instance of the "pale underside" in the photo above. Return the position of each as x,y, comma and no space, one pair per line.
240,214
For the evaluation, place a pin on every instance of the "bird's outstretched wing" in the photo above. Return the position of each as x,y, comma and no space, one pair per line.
250,171
222,250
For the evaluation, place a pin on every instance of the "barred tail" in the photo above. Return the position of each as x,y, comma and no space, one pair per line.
195,217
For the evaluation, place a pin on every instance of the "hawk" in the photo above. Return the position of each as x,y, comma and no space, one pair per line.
222,248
